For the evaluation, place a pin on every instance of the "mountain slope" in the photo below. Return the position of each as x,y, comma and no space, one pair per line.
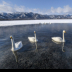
30,16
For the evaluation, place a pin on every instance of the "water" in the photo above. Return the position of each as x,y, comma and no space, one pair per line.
45,54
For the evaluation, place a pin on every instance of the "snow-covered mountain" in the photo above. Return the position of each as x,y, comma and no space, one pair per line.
30,16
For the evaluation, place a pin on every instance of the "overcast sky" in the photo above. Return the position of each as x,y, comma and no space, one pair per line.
49,7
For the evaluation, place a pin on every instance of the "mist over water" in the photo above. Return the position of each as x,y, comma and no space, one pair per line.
44,54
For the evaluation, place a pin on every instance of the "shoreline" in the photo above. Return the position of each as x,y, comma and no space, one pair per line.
25,22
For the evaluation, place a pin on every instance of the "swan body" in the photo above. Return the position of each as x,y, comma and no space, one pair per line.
44,23
56,42
33,39
59,39
50,23
15,46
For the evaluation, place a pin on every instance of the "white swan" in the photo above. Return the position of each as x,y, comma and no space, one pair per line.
44,23
33,39
59,39
56,42
15,46
50,22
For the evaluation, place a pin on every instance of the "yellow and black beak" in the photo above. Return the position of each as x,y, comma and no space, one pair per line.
34,32
10,37
64,31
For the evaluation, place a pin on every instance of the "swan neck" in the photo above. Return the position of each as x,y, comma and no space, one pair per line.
63,37
35,36
13,44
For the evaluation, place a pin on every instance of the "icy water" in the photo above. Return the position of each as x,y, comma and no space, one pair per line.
45,54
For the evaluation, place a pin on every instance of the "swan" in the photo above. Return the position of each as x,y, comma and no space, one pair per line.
59,39
56,42
44,23
50,22
33,39
15,46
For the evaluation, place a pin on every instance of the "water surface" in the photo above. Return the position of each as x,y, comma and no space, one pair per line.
45,54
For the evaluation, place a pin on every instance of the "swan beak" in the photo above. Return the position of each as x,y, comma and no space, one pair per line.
10,37
34,32
65,32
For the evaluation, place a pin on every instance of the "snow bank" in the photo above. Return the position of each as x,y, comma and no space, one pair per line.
25,22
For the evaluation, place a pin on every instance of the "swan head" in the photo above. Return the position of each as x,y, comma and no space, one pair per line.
34,32
64,31
11,37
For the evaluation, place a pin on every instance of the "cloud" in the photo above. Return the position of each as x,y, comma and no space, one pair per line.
65,10
9,8
5,7
19,8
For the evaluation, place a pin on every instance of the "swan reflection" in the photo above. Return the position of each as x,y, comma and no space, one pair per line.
16,56
62,43
36,45
56,42
63,47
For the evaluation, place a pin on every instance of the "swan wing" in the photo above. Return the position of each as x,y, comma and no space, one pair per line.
18,45
36,40
58,39
31,39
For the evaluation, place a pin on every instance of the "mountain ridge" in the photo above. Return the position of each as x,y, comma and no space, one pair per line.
31,16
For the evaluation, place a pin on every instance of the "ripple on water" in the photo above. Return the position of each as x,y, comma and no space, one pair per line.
45,54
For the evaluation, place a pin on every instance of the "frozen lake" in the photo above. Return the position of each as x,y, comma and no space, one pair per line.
45,54
25,22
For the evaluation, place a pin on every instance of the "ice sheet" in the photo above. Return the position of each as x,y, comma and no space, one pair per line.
25,22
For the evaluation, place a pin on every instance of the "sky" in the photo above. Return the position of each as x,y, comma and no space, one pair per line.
49,7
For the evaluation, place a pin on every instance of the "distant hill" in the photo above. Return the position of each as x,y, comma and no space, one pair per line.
30,16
